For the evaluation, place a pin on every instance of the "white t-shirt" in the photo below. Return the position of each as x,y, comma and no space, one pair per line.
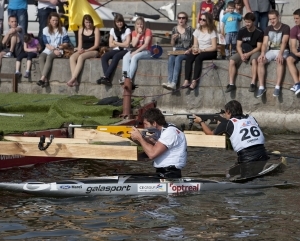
123,36
204,39
45,5
246,133
176,154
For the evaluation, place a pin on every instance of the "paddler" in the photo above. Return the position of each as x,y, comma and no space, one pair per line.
168,148
244,133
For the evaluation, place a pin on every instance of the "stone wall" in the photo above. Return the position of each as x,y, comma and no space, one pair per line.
275,114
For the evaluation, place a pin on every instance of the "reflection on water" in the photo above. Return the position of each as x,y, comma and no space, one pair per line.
267,214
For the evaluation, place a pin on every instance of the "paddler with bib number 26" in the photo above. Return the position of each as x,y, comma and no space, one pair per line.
244,133
168,148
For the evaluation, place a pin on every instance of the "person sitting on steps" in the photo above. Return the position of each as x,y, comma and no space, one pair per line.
204,48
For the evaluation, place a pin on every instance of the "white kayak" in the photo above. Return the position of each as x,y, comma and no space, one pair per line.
126,185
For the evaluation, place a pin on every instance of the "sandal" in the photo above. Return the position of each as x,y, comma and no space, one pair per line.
193,85
40,82
45,84
106,81
186,84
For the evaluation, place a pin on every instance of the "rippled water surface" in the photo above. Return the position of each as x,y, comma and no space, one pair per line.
264,214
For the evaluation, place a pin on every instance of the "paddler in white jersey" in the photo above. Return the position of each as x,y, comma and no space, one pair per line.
245,135
169,152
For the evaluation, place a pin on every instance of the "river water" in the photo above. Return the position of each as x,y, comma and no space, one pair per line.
260,214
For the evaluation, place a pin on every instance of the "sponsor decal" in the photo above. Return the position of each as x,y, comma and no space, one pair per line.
109,189
65,187
252,140
152,187
40,186
179,188
9,157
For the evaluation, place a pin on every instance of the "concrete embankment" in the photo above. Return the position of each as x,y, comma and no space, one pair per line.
274,114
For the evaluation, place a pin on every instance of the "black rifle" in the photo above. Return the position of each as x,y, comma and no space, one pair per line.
213,118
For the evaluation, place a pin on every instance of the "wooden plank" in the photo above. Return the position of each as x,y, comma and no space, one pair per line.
194,132
37,140
100,136
106,152
206,141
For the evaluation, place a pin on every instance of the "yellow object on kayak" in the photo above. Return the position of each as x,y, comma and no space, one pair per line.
77,9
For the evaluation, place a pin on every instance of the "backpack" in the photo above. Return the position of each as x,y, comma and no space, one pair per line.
217,9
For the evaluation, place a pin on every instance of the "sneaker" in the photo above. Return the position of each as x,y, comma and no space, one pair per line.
26,75
171,86
230,88
293,88
252,88
18,73
260,92
8,55
297,89
122,80
276,92
106,81
165,85
98,81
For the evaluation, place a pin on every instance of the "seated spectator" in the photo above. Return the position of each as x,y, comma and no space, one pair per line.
249,41
12,40
119,40
88,47
294,56
182,39
275,47
141,43
31,50
54,36
204,48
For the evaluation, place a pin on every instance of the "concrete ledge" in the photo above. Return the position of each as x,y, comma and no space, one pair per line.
274,114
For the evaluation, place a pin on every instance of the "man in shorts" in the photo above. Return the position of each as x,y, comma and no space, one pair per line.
275,47
249,41
294,55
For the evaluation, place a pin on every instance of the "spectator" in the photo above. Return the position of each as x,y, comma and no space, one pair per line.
260,8
249,41
275,47
1,16
12,40
54,35
31,50
206,6
141,43
204,48
182,39
18,8
294,56
88,47
45,7
230,27
119,40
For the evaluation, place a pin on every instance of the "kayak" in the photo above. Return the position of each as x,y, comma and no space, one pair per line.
126,185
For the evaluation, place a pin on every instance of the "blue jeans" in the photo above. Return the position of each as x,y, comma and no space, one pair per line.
22,17
130,63
262,19
43,14
174,67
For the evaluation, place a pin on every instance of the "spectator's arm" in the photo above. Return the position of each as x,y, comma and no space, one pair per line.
293,47
264,46
79,47
239,47
247,6
257,49
284,41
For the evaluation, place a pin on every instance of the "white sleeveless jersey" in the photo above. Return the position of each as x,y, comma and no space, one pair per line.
176,154
246,133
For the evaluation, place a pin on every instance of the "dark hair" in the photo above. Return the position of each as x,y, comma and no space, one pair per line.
234,107
154,115
119,18
28,37
59,26
209,22
273,12
13,16
250,16
297,12
231,4
87,17
239,2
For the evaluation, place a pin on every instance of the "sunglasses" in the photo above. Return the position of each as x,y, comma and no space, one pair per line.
203,19
181,17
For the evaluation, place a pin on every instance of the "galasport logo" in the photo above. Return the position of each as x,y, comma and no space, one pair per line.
152,187
109,189
179,188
